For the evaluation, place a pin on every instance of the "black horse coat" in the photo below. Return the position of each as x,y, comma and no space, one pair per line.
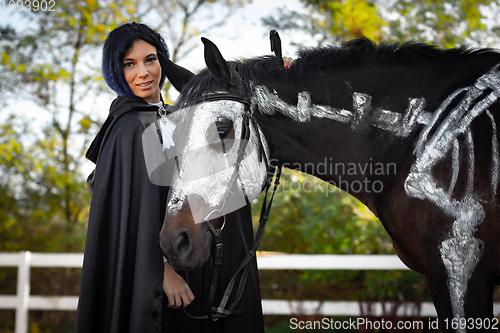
121,286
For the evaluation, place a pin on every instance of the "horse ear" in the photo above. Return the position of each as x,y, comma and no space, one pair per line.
275,39
216,63
176,74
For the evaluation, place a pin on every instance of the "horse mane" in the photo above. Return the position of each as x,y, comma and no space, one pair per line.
357,52
361,50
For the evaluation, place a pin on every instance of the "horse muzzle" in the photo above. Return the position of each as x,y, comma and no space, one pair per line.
184,243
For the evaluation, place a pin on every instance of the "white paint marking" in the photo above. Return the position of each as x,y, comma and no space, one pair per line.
495,165
460,252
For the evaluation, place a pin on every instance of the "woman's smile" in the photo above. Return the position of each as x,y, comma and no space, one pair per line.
145,85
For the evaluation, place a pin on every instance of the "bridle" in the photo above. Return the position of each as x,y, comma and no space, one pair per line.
214,313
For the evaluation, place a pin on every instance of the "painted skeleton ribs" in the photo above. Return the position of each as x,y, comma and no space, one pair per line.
460,252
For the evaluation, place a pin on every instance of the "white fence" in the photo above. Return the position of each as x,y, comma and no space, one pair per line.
24,301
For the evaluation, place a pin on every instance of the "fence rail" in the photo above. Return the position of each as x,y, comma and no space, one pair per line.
24,301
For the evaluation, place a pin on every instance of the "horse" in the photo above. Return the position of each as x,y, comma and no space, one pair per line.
409,129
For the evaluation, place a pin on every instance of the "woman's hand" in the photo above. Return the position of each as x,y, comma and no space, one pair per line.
176,289
287,62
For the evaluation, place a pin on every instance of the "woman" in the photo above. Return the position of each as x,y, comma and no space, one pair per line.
125,281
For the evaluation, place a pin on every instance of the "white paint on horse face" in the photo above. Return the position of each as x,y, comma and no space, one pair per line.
203,161
461,251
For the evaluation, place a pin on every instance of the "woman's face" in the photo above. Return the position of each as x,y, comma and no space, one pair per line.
143,71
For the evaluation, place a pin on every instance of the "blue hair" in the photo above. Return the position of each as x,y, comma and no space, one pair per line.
118,44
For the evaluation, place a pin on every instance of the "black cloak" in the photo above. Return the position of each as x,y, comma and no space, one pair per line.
121,284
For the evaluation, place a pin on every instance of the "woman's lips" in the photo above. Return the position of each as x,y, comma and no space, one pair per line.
144,85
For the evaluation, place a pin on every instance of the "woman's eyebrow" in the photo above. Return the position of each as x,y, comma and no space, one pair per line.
149,55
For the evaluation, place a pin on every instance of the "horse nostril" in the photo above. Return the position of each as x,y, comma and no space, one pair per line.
183,244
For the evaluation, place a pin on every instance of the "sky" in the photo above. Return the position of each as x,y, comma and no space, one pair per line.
245,36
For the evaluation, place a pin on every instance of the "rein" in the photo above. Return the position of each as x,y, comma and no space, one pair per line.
214,313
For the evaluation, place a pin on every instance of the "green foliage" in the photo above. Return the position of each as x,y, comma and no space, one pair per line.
43,198
311,216
44,206
41,57
445,23
319,218
350,18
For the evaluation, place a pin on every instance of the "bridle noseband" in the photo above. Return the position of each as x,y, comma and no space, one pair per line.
214,313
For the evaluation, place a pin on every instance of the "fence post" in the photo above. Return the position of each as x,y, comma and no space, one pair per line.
23,291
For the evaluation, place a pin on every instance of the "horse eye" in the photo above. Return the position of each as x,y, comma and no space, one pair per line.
222,140
223,132
224,128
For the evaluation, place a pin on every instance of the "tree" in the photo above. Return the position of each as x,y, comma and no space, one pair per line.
50,66
44,201
445,23
34,188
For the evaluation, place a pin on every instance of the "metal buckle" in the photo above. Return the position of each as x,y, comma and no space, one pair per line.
162,112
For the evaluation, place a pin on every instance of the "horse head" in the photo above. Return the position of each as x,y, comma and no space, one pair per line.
216,142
